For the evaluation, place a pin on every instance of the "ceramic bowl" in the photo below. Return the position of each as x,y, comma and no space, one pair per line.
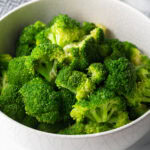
123,22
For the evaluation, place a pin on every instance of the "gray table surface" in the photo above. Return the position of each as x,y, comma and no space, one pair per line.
6,6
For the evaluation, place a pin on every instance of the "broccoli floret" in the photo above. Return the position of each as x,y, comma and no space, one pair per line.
75,81
120,119
47,57
121,77
10,95
88,27
20,70
80,54
26,40
101,107
75,129
42,37
65,30
97,72
41,101
51,128
68,100
132,53
92,127
14,111
30,122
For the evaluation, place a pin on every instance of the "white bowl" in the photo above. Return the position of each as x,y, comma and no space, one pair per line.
124,23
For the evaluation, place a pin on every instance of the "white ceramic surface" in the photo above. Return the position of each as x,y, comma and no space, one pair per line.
124,23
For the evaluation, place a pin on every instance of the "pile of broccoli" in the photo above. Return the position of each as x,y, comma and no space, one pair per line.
68,78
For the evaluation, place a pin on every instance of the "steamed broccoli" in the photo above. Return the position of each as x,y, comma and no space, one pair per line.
80,54
26,40
20,70
121,77
68,78
14,111
75,81
46,59
51,128
41,101
97,72
101,107
64,30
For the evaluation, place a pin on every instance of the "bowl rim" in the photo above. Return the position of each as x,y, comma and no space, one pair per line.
84,135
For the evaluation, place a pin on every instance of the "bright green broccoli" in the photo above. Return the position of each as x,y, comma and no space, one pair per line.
65,30
75,81
92,127
41,101
26,40
80,54
75,129
20,70
47,57
101,107
97,72
88,27
121,77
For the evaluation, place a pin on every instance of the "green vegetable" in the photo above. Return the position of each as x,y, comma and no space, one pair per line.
68,78
41,101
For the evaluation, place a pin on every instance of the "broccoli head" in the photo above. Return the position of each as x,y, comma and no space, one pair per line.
41,101
47,57
64,30
121,77
80,54
20,70
97,72
26,40
101,107
75,81
75,129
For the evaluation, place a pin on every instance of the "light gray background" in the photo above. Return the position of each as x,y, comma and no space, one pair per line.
7,5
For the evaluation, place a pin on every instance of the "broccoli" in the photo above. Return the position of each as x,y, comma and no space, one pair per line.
64,30
30,122
80,54
26,40
75,81
68,100
100,108
97,72
14,111
132,53
121,77
92,127
42,37
47,57
75,129
4,61
88,27
20,70
10,95
51,128
41,101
